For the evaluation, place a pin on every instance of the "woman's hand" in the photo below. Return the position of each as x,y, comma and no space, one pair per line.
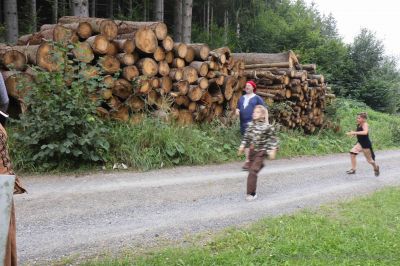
351,133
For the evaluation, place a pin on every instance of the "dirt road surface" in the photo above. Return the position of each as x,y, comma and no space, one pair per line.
82,216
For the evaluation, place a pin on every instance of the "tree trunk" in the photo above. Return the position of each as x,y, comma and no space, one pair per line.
111,9
55,11
159,10
80,8
83,29
187,21
11,21
93,9
34,15
178,20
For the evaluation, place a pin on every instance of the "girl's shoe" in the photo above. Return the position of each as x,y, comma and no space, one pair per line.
251,197
246,166
376,170
351,172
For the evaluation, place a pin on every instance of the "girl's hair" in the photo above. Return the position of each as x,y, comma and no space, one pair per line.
363,115
263,110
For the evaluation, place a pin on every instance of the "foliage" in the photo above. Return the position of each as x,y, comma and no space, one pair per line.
61,124
156,144
363,231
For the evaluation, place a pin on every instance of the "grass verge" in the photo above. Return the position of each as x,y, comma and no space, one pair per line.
153,144
364,231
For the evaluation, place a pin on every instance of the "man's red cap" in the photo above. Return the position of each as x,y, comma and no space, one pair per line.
252,83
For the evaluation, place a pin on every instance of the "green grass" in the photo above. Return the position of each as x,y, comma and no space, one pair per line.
153,144
364,231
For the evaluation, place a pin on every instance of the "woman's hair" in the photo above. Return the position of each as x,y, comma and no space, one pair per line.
363,115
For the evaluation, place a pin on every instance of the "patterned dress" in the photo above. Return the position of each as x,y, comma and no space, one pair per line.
6,169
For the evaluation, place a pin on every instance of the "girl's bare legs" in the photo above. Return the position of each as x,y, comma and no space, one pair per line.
353,161
247,153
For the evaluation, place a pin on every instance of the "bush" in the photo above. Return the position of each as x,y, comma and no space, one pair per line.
60,125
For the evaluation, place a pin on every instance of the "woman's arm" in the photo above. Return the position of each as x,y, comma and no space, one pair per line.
360,133
364,131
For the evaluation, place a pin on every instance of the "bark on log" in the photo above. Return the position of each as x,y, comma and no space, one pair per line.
160,28
105,27
127,46
126,59
263,58
176,74
202,50
178,63
201,67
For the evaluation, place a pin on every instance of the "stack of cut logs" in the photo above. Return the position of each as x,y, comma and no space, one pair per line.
144,69
186,81
280,78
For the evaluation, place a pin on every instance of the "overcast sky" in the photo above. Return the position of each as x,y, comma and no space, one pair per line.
381,17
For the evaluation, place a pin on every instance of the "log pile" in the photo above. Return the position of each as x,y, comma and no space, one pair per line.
144,69
190,82
283,81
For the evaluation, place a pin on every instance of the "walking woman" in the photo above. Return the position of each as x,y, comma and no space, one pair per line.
244,110
363,145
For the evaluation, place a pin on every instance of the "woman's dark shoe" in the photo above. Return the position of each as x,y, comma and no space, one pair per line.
351,172
376,171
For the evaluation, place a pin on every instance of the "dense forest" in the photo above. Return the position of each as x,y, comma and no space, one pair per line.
360,70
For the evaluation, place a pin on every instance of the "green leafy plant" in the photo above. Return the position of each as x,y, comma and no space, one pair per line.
60,124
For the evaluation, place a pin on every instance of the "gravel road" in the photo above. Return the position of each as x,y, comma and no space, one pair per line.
81,216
